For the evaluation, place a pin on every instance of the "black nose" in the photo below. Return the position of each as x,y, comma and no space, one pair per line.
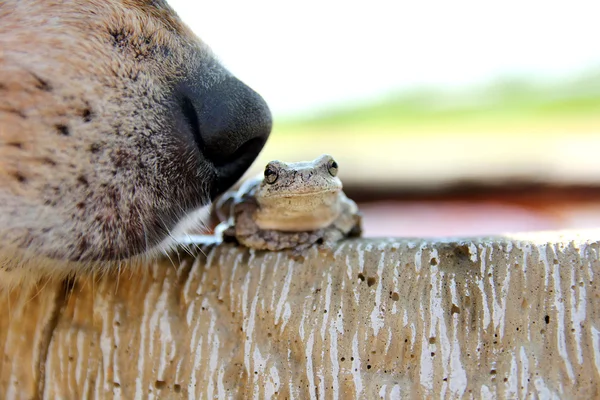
230,124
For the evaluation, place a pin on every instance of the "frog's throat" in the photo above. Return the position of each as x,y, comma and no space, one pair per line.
297,217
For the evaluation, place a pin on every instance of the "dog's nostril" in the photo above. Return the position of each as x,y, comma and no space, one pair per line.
235,166
252,146
191,118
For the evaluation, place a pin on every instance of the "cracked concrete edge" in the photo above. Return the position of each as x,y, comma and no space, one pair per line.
455,318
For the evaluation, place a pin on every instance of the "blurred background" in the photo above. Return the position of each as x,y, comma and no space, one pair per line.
446,118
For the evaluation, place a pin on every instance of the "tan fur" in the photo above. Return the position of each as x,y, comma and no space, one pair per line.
88,174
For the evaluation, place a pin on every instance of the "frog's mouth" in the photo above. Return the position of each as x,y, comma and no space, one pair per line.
301,194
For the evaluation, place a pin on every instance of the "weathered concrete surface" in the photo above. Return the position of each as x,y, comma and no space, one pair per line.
506,317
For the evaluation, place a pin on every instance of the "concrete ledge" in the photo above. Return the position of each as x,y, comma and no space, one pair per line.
499,317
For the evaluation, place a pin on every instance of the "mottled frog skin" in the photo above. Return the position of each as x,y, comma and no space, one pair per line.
291,206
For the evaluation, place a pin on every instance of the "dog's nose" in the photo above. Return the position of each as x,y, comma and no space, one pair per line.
230,123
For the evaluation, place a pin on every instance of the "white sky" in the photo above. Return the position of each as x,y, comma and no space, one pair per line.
307,54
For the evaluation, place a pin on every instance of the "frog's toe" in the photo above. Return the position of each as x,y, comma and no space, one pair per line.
332,236
300,251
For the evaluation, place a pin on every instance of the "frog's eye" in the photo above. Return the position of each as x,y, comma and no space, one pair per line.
332,167
270,175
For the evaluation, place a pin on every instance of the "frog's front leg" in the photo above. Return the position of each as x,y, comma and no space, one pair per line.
337,232
348,223
222,207
356,230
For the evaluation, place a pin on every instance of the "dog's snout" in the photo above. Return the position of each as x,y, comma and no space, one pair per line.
230,124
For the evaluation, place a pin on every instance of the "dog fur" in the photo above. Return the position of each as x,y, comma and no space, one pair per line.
94,170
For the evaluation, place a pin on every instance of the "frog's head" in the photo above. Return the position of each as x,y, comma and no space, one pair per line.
306,178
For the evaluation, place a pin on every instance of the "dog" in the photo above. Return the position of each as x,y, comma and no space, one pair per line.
117,124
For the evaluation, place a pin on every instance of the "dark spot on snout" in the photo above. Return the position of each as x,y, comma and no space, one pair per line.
42,84
82,180
17,145
117,35
95,147
48,161
62,129
20,177
16,112
86,114
138,45
229,124
120,157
